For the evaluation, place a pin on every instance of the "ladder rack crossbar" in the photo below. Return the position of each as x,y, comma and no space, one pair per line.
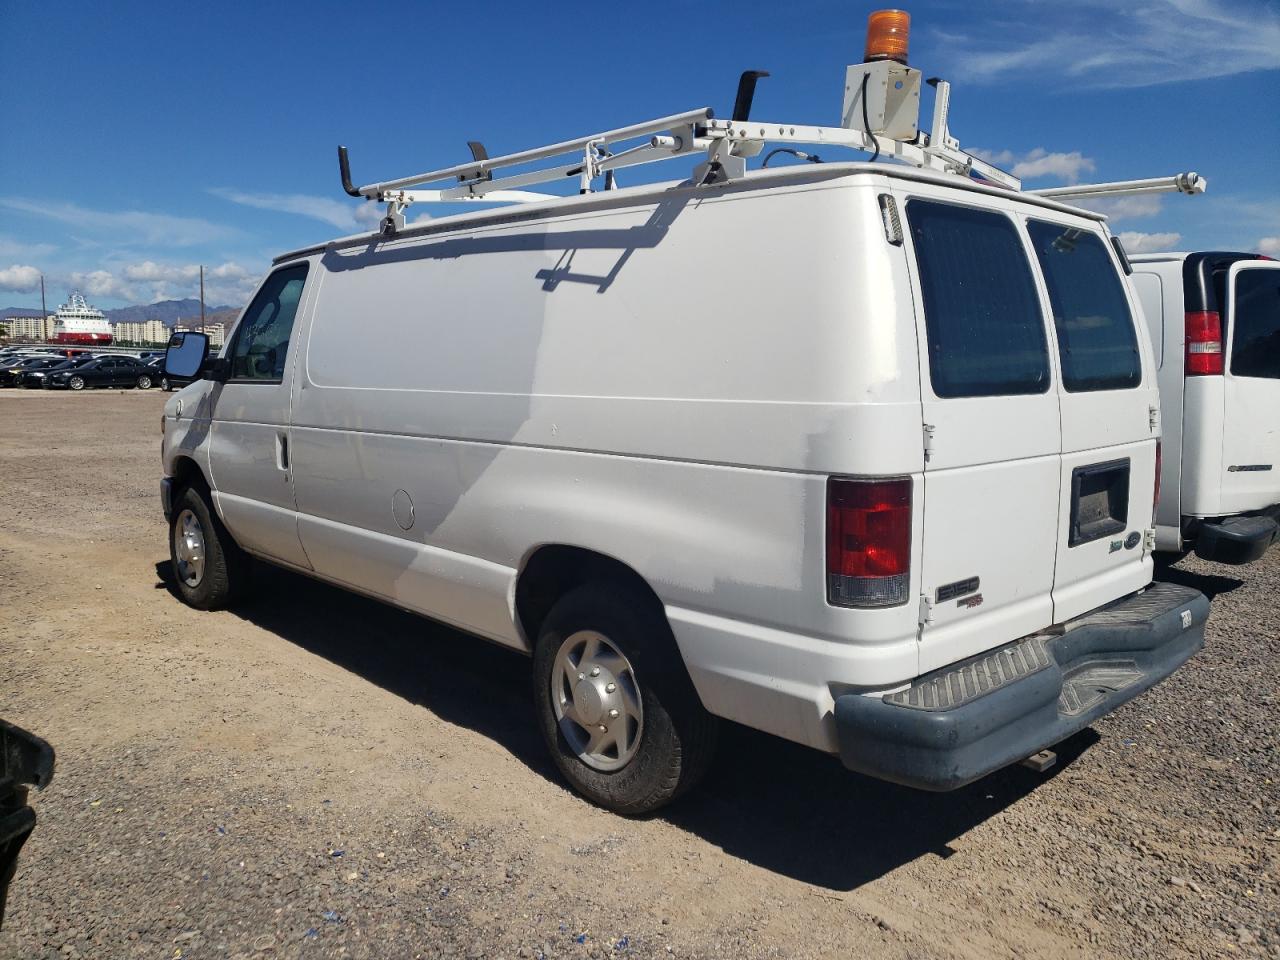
478,168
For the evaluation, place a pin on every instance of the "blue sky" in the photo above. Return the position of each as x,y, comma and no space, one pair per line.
139,140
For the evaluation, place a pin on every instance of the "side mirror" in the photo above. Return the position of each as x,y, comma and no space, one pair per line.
186,355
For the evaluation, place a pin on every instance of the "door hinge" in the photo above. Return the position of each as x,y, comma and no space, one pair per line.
1153,417
1149,540
928,441
926,611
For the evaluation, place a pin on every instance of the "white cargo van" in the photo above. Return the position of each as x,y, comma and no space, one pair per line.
1215,323
862,455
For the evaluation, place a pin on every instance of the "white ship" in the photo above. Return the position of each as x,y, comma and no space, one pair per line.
77,322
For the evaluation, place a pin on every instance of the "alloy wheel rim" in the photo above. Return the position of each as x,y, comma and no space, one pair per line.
188,548
77,383
596,701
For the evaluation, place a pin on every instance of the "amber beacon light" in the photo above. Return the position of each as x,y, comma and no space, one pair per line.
888,33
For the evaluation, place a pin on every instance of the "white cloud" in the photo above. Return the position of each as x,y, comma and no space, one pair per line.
1136,242
1039,162
20,279
1121,208
9,247
1125,45
127,227
1270,246
147,282
344,215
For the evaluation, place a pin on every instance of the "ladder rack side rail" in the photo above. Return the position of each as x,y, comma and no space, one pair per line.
1190,183
375,190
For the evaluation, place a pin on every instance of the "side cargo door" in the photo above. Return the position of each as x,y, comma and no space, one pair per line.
249,451
1110,418
991,425
1251,427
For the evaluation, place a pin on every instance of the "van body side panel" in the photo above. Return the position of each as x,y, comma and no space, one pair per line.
1159,289
614,381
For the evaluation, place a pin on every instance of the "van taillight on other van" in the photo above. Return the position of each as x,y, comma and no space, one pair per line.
1204,343
868,542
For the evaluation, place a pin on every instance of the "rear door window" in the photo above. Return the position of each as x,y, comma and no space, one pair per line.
1255,325
986,334
1096,336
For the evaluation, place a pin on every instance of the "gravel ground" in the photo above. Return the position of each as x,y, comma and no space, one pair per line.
316,775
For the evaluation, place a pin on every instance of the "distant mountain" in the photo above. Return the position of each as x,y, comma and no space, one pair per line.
8,312
167,311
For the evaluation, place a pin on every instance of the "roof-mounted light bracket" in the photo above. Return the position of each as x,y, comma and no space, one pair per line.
892,95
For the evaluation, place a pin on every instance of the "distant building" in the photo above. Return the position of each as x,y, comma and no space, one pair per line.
29,328
149,332
217,332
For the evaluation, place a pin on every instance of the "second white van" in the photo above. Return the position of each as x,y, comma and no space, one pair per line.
1214,320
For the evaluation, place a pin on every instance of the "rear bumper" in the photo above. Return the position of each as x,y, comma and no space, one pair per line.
960,723
1237,540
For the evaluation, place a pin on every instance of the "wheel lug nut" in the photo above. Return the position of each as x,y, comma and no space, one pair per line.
603,728
613,714
595,671
609,688
582,676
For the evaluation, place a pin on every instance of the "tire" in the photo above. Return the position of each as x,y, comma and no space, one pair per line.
673,738
76,383
144,383
164,384
222,573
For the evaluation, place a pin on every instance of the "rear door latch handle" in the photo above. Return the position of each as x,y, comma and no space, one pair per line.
282,451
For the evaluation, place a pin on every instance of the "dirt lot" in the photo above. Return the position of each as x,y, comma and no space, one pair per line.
318,775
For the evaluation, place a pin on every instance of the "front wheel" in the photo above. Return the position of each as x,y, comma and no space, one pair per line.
615,704
209,568
76,383
144,383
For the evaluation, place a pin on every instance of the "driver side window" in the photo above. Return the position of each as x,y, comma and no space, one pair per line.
262,339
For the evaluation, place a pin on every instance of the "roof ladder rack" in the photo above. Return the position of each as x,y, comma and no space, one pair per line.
880,116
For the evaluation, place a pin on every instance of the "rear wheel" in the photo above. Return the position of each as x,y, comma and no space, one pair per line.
144,382
76,383
615,705
209,569
164,384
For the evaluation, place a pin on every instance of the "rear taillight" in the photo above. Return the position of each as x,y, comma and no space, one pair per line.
868,542
1204,343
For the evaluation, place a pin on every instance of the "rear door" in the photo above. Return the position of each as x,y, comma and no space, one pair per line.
1109,404
1251,428
991,425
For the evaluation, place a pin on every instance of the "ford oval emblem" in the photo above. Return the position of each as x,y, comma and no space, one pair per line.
1132,540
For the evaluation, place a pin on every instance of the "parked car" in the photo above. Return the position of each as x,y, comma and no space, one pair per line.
103,372
860,455
1215,321
34,379
167,382
10,372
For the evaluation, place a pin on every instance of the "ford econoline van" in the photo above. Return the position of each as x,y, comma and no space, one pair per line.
1214,320
860,455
